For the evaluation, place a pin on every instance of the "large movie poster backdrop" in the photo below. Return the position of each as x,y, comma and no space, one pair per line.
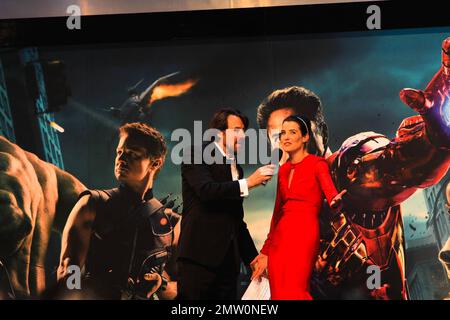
358,79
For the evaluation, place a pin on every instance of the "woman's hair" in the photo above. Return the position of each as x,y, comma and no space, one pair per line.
303,122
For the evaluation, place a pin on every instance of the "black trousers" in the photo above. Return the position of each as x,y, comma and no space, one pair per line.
197,282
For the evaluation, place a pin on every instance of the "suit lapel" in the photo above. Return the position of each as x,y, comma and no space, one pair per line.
227,167
224,168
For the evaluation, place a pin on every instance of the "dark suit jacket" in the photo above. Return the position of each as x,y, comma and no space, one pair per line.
212,214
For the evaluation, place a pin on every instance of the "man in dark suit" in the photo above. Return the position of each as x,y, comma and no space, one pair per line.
214,238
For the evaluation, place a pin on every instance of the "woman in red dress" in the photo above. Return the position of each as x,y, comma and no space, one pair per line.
292,245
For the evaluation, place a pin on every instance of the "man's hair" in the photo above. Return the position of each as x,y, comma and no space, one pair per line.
148,137
219,119
301,100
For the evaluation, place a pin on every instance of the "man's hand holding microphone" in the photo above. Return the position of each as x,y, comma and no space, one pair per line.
261,176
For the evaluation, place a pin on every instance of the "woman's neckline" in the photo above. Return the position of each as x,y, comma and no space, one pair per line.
297,163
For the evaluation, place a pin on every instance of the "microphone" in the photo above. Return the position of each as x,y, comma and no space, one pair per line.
276,155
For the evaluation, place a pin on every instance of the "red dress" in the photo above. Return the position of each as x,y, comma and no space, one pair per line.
293,241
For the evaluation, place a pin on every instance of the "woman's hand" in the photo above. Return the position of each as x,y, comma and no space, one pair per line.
336,203
259,266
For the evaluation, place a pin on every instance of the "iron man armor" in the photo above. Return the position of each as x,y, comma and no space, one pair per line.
379,174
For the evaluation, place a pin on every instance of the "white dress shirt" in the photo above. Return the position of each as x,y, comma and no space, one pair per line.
234,172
